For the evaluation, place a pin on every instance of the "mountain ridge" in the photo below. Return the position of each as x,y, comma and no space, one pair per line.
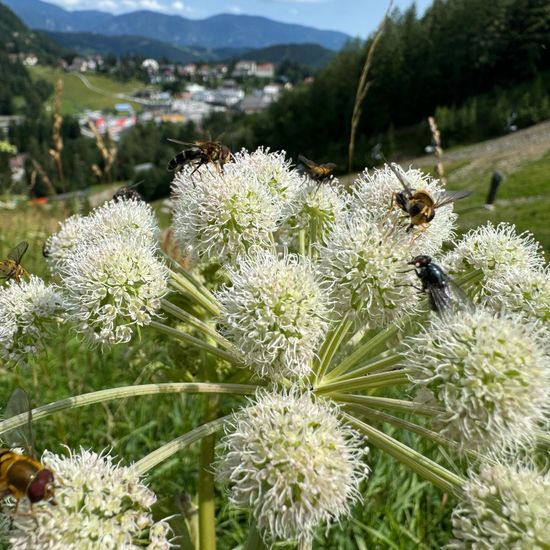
217,31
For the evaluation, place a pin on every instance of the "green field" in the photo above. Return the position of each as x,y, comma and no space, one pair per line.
77,97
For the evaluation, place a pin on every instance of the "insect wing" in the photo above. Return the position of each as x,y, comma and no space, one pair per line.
19,403
7,268
17,252
187,143
307,162
449,197
401,178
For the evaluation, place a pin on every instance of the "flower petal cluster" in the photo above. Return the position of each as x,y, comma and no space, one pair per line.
276,313
490,374
374,197
365,267
521,290
27,309
316,208
503,507
113,286
218,216
290,459
99,504
494,250
272,170
59,246
130,218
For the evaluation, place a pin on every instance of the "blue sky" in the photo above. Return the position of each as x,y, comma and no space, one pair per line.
355,17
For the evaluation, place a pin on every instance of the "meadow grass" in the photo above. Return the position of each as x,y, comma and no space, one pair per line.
77,97
400,511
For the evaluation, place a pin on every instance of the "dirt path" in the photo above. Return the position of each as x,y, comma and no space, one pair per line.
506,153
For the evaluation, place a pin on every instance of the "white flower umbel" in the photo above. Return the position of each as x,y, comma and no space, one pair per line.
126,218
374,197
489,374
218,216
526,291
113,286
60,245
130,218
366,268
272,170
27,309
276,313
291,460
316,209
99,504
493,250
503,507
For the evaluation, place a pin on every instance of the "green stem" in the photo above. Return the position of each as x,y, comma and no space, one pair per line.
185,287
417,462
189,276
391,378
207,503
469,278
302,241
206,329
378,363
389,403
331,345
122,393
254,540
162,453
368,348
171,331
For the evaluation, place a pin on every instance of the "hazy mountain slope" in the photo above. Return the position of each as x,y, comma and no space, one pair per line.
219,31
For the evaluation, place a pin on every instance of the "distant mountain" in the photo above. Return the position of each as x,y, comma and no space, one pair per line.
310,55
84,43
219,31
18,39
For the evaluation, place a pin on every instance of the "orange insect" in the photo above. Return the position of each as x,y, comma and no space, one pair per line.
11,268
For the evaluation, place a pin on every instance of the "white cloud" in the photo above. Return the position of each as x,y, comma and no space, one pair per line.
180,6
235,9
107,5
152,5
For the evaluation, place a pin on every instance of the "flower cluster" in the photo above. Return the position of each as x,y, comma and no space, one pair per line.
292,460
27,310
112,286
106,263
367,269
503,506
494,250
490,375
134,219
276,313
219,216
99,504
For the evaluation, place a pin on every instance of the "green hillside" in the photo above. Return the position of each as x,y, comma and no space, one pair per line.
77,96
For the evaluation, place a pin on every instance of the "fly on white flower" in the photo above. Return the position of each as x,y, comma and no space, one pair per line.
99,504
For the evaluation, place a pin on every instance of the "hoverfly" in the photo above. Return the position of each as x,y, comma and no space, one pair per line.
21,475
11,268
442,291
128,192
418,204
317,172
200,152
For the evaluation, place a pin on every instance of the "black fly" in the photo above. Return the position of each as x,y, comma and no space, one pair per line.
442,291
